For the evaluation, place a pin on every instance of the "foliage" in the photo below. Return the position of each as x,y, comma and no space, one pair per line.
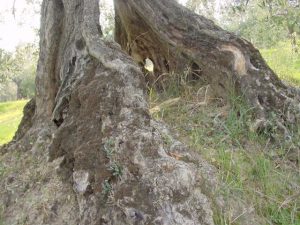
10,117
19,68
212,9
107,19
106,188
5,65
265,22
116,169
109,148
8,91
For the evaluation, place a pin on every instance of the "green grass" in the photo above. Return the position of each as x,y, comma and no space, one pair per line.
284,62
10,117
251,167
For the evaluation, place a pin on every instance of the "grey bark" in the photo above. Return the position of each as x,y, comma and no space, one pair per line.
90,127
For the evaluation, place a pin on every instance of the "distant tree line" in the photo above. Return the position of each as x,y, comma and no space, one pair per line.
263,22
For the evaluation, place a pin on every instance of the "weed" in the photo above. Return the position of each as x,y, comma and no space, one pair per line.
109,148
106,188
167,139
239,118
261,168
220,220
283,216
116,169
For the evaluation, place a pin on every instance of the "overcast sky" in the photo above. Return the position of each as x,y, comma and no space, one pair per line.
18,29
21,28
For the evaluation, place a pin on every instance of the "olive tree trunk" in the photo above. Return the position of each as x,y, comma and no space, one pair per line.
90,153
177,40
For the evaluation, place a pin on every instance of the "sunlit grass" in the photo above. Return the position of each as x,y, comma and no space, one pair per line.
284,62
10,117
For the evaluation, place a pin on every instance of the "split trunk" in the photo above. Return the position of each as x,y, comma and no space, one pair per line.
90,118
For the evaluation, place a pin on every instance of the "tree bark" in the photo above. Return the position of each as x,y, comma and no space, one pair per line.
175,39
91,120
110,151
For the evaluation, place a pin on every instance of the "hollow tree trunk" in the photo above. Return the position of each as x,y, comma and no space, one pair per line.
175,38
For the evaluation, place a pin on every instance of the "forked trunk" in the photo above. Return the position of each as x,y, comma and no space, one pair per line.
91,118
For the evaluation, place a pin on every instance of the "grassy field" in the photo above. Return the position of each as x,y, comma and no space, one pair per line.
10,117
284,62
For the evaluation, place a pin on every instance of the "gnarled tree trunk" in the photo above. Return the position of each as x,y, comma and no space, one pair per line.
175,38
90,119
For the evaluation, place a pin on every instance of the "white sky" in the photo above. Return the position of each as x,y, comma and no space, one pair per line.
21,28
18,30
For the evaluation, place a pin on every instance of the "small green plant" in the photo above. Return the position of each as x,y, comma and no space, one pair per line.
283,216
220,219
109,148
167,139
116,169
106,187
113,167
271,127
261,170
238,119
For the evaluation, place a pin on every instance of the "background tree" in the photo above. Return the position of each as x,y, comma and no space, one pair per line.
107,19
5,65
214,9
19,67
7,89
25,60
267,22
262,22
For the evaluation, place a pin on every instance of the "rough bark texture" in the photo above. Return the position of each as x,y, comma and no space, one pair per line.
90,153
175,39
